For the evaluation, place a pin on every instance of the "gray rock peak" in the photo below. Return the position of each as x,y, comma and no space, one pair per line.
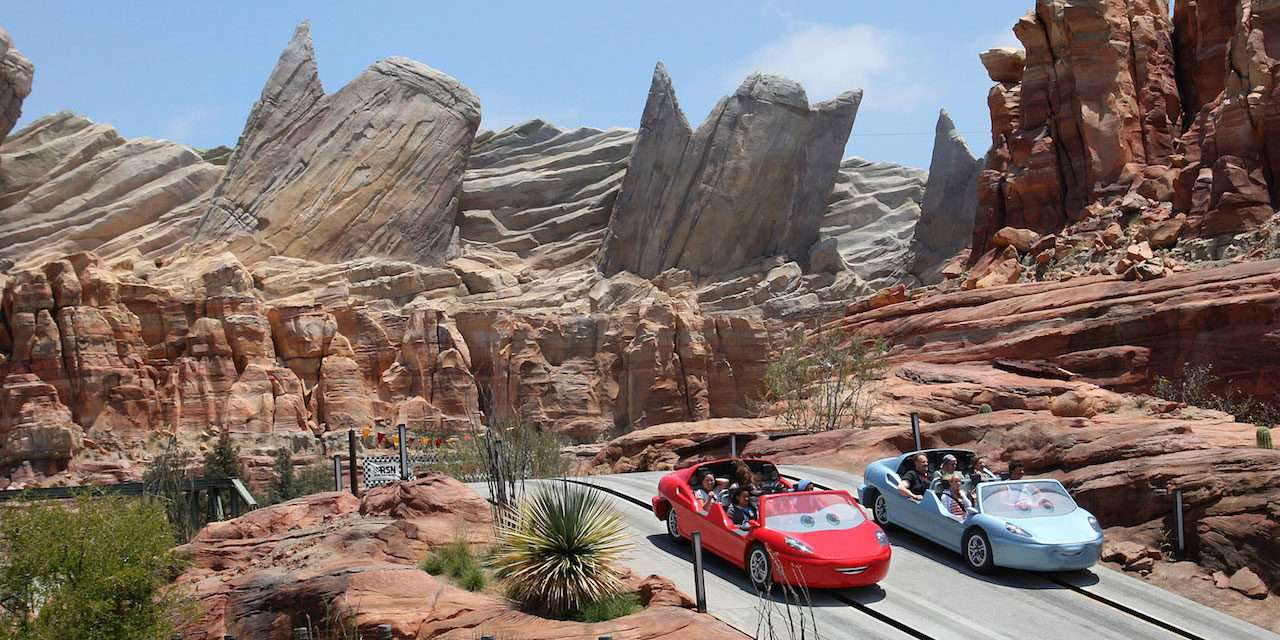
373,169
950,202
752,182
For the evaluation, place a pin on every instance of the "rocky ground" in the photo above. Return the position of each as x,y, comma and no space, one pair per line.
368,255
332,556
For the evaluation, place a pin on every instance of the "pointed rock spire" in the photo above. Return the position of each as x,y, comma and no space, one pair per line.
950,202
750,183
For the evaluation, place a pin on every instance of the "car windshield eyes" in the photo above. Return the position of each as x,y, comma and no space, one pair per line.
833,519
806,520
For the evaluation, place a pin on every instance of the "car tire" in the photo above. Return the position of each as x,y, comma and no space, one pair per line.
759,568
880,510
976,547
673,527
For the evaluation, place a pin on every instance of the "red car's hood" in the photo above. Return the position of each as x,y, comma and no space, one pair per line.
847,543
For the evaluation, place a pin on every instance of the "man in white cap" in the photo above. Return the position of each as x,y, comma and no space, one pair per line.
948,467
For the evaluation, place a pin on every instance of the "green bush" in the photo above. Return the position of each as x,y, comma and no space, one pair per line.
223,459
985,408
456,560
88,569
623,604
289,484
562,550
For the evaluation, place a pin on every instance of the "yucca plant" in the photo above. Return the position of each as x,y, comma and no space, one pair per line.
561,552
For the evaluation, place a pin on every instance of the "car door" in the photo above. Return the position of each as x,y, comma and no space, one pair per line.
719,536
903,511
937,524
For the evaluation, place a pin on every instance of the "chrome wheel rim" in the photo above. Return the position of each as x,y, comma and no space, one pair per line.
977,551
759,567
673,529
881,510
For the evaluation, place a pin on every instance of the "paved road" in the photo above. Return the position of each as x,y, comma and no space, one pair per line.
929,592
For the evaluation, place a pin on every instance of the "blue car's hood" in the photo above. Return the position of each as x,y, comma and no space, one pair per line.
1073,527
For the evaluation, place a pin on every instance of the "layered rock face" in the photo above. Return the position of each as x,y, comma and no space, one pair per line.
542,192
762,165
1095,103
69,185
1110,331
949,206
16,73
374,169
872,215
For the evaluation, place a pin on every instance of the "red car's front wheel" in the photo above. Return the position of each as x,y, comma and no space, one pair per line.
759,568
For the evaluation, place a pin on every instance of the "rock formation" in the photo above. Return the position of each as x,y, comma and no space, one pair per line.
873,213
1096,104
950,203
16,73
542,192
69,185
374,169
762,165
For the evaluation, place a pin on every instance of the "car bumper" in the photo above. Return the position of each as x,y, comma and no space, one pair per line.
822,573
1032,556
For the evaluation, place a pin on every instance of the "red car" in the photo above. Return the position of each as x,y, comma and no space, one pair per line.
818,539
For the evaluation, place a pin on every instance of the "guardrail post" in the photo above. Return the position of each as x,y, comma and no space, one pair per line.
699,582
337,472
351,461
384,632
1177,519
915,430
733,445
404,453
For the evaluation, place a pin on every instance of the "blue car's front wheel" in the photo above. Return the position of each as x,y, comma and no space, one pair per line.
977,551
880,510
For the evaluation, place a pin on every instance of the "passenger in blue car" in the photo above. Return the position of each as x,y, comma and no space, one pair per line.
742,511
954,500
916,481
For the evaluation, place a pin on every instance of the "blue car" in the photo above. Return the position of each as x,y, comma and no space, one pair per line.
1030,524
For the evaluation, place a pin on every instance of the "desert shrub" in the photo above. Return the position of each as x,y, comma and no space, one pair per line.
89,569
289,483
623,604
168,478
984,408
1196,388
504,456
822,382
223,458
562,551
1263,438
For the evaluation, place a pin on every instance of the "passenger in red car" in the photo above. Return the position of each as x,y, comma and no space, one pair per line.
705,494
742,511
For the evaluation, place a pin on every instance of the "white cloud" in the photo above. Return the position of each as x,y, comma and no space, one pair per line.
183,126
828,60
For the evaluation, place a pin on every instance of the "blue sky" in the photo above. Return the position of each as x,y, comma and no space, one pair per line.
191,71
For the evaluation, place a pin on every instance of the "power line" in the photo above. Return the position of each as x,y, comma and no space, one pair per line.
908,133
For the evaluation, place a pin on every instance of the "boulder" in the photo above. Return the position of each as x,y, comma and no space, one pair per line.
373,169
1164,235
763,164
1020,239
1247,582
824,257
16,73
1004,64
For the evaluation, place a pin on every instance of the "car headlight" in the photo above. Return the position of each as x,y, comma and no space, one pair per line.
882,539
1093,522
1016,530
798,545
